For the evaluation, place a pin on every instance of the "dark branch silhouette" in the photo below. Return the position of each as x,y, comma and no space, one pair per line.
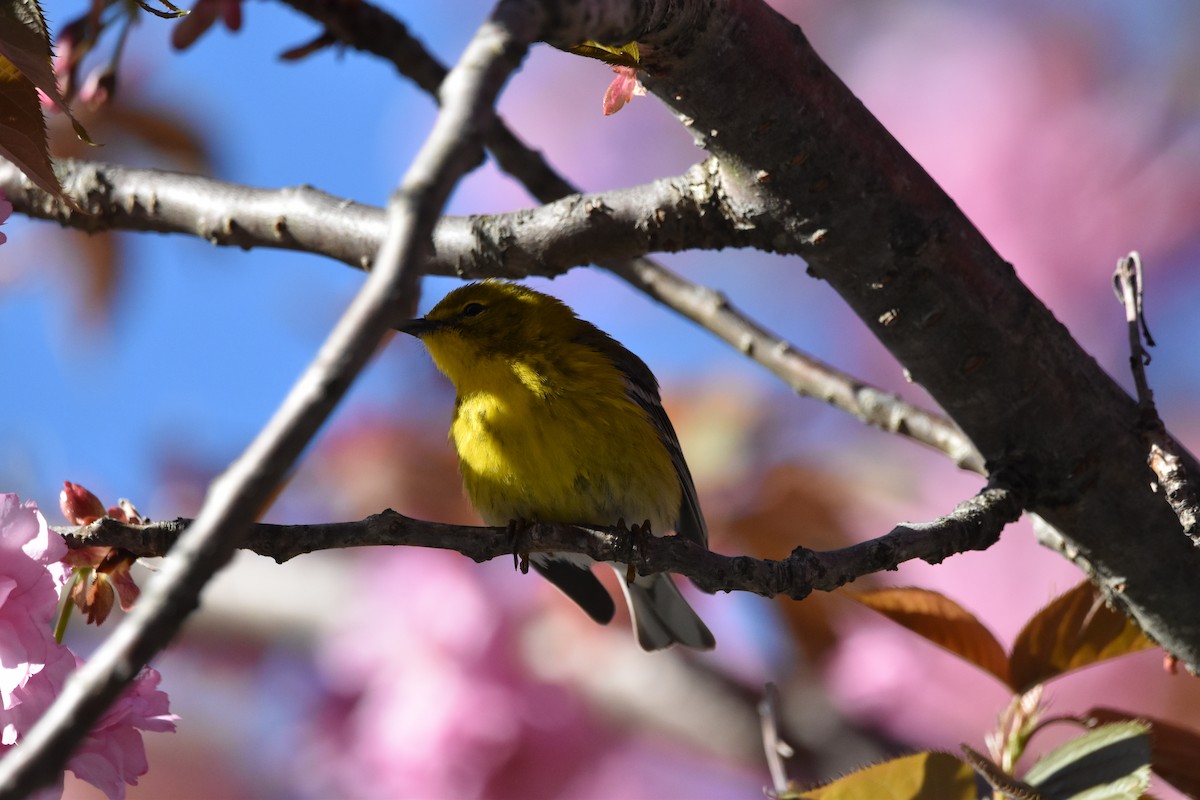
237,497
973,525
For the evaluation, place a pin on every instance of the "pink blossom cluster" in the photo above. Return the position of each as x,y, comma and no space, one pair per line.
433,699
33,666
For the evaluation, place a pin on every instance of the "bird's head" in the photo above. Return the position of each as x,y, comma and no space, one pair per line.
489,322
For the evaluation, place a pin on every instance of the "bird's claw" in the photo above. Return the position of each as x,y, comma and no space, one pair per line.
636,534
518,530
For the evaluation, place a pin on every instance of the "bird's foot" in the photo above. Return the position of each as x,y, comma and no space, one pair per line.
518,532
637,535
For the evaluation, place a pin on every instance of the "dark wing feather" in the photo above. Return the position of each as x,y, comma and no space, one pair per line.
579,584
642,387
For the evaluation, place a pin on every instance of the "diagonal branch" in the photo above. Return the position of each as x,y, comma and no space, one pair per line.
805,374
237,497
973,525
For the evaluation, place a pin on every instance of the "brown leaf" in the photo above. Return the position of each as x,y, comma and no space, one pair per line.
921,776
1076,630
25,67
943,622
1173,749
23,128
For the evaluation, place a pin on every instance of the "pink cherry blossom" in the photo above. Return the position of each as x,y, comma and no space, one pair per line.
34,667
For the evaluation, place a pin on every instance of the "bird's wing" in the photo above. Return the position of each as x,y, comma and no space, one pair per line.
691,521
642,388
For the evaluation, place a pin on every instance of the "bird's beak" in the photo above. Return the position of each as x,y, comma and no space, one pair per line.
419,327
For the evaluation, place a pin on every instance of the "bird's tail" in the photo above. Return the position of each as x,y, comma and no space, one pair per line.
662,616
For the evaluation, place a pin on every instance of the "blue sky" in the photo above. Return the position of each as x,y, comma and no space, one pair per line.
204,341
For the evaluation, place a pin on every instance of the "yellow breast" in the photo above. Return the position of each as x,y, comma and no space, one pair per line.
541,446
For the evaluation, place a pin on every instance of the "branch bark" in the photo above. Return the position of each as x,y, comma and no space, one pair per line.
973,525
668,215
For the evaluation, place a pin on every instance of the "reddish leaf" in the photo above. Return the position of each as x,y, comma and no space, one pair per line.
921,776
622,89
1173,749
25,42
1076,630
943,622
25,67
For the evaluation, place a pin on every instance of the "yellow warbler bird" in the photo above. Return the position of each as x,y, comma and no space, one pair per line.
556,422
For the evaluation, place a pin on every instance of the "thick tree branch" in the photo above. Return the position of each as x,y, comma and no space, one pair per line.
973,525
802,159
237,497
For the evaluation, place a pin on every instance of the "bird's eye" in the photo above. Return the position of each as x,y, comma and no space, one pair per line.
472,309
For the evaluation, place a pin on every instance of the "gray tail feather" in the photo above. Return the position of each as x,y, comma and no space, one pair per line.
662,616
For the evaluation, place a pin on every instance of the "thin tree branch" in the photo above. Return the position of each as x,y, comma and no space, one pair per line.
805,374
803,158
1164,457
237,497
973,525
544,241
373,30
666,215
114,197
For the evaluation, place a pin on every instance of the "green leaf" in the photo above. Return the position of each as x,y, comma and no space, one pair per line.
943,622
1076,630
626,55
1173,749
921,776
1111,762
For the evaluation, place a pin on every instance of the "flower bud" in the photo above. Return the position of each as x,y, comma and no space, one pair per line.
78,505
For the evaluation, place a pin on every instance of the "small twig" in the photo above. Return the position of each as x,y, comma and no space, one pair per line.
1163,455
776,749
973,525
